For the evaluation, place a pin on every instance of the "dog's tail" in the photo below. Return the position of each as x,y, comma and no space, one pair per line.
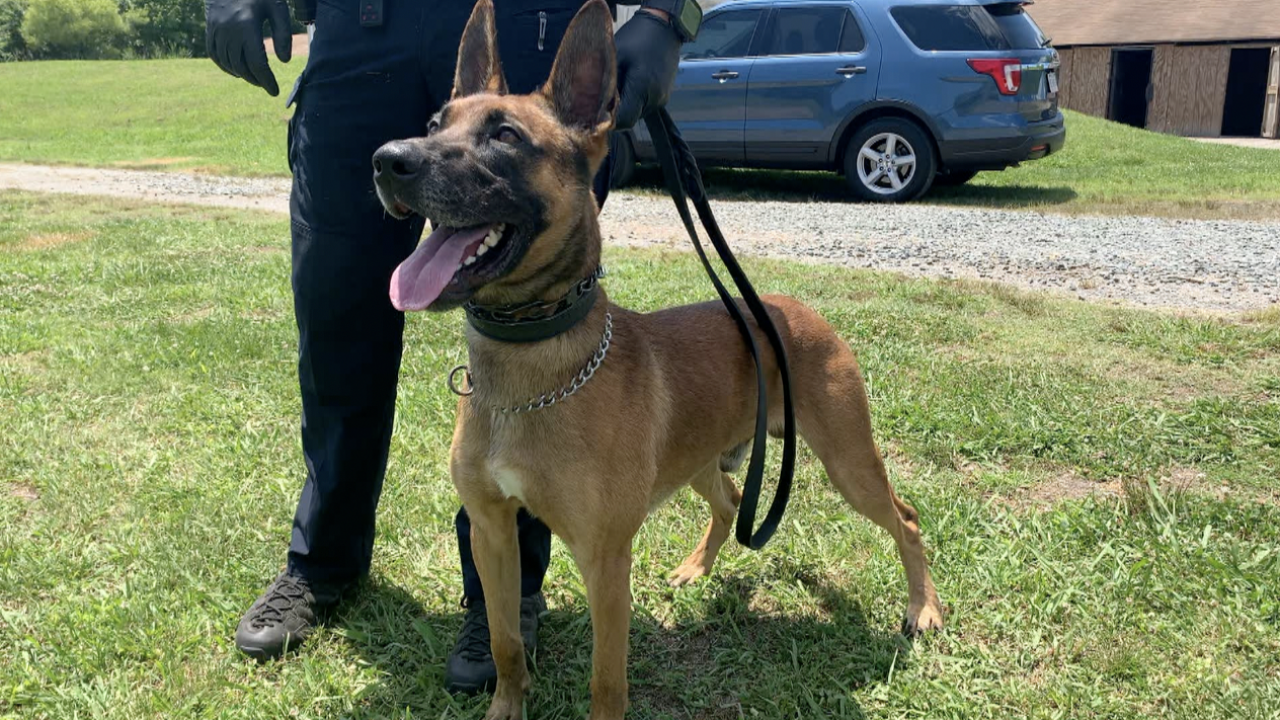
733,458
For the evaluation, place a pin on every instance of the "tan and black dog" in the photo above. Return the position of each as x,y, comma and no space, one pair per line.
507,181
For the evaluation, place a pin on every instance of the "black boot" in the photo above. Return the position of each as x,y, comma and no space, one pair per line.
285,615
470,667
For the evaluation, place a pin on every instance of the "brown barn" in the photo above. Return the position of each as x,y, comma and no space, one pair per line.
1188,67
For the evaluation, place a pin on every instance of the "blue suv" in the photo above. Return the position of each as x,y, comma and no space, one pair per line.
894,94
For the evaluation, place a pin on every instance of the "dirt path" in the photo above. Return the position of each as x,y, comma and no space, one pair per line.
1219,266
1258,143
270,194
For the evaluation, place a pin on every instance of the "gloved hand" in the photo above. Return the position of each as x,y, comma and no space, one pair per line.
233,37
648,57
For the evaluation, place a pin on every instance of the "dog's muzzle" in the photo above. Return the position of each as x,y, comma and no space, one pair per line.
396,167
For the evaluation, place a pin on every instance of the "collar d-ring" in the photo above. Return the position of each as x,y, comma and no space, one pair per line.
466,376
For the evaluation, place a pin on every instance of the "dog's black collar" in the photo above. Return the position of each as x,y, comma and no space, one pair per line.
536,321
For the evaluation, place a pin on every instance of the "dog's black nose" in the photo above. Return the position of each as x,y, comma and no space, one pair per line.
397,160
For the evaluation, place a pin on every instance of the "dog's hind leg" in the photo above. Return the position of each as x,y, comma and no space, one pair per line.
717,489
835,419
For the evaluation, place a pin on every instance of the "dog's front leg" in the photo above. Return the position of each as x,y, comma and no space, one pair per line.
497,554
606,570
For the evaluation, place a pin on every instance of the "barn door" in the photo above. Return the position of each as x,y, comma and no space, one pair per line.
1271,114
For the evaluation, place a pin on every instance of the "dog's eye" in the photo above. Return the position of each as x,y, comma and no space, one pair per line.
432,127
507,134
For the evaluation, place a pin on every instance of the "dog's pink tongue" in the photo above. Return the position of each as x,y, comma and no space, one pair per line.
423,275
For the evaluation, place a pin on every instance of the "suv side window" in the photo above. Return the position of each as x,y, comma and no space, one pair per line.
950,27
723,35
851,40
804,31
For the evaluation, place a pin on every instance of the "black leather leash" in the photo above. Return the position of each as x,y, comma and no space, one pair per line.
684,182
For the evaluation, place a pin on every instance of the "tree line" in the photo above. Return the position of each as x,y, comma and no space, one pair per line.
101,29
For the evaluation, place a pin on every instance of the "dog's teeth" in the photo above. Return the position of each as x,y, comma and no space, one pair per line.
469,261
490,241
483,249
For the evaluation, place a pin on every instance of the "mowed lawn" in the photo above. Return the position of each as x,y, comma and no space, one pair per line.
147,114
1099,491
188,115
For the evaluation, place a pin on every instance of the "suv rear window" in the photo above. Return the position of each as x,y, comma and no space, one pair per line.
1000,26
1019,29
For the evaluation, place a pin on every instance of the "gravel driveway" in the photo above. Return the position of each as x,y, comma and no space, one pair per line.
1187,264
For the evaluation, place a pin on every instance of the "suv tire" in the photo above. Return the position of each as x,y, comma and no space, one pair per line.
874,159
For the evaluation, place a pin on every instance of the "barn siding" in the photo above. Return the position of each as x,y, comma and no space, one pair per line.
1088,80
1189,89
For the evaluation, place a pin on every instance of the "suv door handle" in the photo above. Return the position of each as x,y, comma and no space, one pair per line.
724,75
850,70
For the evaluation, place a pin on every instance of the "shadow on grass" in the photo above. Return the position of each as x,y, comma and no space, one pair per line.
735,184
1001,197
800,186
731,661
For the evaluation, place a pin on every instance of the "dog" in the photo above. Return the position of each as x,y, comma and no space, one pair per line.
592,429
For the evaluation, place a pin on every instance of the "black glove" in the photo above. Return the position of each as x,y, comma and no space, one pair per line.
648,57
233,38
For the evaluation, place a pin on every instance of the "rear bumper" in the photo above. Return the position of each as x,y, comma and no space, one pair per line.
998,153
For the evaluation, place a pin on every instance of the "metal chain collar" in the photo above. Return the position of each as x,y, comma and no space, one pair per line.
549,398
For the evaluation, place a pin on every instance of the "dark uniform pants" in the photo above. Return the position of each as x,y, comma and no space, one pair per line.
363,87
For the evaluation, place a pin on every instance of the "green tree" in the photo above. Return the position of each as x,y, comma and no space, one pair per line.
166,27
12,46
74,28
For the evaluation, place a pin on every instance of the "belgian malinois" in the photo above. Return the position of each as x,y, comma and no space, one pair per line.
593,428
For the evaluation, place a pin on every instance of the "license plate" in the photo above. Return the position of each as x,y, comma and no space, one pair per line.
1053,82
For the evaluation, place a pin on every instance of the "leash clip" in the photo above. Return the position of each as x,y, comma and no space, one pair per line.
466,375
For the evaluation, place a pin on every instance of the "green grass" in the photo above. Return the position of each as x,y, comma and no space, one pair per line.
151,114
186,114
149,466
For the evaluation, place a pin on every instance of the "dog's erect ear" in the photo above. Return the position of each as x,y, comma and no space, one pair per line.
583,87
479,67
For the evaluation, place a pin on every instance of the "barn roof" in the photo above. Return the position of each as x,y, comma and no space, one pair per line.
1134,22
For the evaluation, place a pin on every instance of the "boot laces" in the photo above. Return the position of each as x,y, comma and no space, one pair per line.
473,638
281,599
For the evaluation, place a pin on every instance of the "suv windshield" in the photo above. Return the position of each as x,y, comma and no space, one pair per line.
1000,26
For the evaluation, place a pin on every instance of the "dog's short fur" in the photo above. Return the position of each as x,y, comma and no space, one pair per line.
672,404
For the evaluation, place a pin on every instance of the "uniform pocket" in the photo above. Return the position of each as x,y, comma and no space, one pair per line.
296,91
528,41
295,97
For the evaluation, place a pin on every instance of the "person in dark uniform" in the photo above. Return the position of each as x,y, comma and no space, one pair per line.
378,70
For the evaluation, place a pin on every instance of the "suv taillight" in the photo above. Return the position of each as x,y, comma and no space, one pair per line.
1007,72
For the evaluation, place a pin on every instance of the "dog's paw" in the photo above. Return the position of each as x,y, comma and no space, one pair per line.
505,709
919,621
686,574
